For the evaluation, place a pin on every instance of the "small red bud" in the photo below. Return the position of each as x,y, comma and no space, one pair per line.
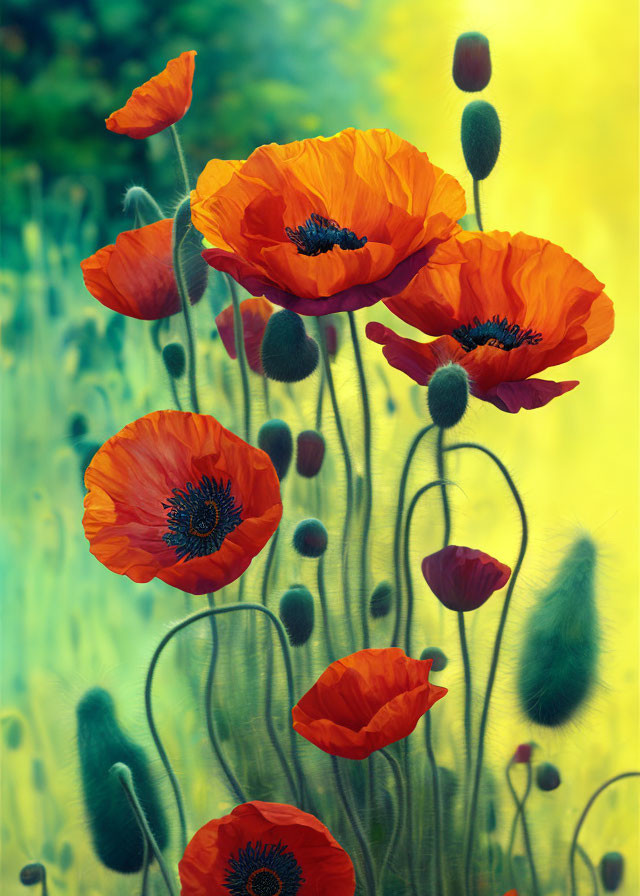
471,62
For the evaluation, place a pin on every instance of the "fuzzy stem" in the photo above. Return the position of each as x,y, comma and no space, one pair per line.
397,536
437,807
368,484
183,291
177,143
520,811
592,871
238,335
585,812
401,813
146,862
476,202
123,773
322,594
174,392
372,889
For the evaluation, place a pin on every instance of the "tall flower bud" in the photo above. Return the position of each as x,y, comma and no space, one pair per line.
480,134
288,354
471,61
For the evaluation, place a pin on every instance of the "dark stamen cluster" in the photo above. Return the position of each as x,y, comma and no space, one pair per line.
200,517
267,870
496,332
318,235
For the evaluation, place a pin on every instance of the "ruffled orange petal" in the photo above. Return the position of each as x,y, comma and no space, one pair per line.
159,102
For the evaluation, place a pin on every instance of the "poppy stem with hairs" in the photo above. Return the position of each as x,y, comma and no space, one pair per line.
146,862
322,594
477,772
585,812
476,202
464,649
437,807
208,708
372,889
348,476
177,143
123,773
368,484
400,820
181,226
196,617
397,537
592,871
238,335
520,812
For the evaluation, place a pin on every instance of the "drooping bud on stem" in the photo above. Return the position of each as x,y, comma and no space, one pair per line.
174,359
288,354
141,204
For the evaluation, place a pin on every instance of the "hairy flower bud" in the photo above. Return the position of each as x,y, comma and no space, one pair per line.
448,395
471,61
275,438
480,134
288,354
310,453
297,614
310,538
174,359
611,871
381,599
438,658
547,776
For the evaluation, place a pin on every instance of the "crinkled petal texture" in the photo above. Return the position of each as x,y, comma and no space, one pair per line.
133,476
135,276
157,103
372,183
326,868
531,283
463,578
255,314
366,701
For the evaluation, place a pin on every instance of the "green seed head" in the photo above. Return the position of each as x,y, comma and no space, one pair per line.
288,354
480,134
448,395
174,359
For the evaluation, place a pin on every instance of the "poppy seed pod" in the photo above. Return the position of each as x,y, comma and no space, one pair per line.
438,658
32,874
380,601
310,453
310,538
480,135
611,871
448,395
116,836
288,354
275,438
471,62
557,665
174,359
547,776
297,614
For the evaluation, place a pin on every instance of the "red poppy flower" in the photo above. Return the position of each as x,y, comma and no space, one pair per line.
135,276
515,306
366,701
177,496
255,313
157,103
326,224
462,578
265,848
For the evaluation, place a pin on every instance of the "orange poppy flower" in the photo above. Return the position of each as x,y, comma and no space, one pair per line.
255,314
177,496
326,224
157,103
366,701
265,848
515,306
135,276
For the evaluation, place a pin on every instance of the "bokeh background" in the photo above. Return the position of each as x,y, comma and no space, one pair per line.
565,85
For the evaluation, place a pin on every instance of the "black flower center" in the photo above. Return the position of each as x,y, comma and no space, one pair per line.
267,870
318,235
497,332
200,517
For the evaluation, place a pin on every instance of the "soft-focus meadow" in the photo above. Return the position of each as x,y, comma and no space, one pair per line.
565,85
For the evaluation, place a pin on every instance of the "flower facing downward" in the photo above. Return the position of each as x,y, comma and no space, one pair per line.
177,496
255,313
366,701
462,578
326,224
265,849
513,307
157,103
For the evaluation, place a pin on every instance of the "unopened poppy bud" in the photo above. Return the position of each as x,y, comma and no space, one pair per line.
480,135
141,204
13,731
611,871
297,613
448,395
32,874
558,660
471,61
547,776
78,426
65,856
275,438
380,602
288,354
174,359
438,658
310,453
116,835
310,538
522,753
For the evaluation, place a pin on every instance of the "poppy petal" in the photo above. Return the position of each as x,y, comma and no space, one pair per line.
527,394
463,578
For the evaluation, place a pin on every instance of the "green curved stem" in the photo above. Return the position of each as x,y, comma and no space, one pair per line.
177,143
592,871
146,862
520,812
476,202
397,535
354,821
174,393
322,594
183,291
437,807
348,469
368,484
473,805
401,813
123,773
238,335
585,812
